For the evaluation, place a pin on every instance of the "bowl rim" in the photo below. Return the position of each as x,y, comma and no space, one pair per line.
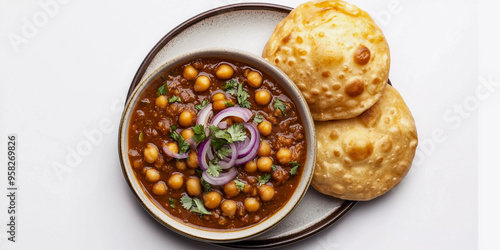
204,234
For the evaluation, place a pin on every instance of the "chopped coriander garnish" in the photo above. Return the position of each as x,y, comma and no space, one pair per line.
194,205
206,186
279,105
240,185
229,104
172,202
258,118
295,167
186,202
173,128
264,179
199,133
141,136
203,104
213,169
242,97
183,146
162,90
237,132
223,152
174,99
163,78
230,87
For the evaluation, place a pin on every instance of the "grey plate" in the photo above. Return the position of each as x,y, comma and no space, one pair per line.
247,27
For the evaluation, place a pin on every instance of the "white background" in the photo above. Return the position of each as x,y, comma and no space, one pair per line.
68,76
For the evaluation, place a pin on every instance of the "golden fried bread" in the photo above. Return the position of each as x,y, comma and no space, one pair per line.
335,54
364,157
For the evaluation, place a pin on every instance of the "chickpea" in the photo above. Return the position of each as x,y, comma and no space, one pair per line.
284,155
247,189
265,128
187,133
175,181
228,208
212,199
173,147
159,188
161,101
186,118
266,192
180,165
231,190
189,72
224,72
265,164
219,105
193,186
254,79
192,160
251,204
228,121
201,84
152,175
262,97
150,153
264,149
218,97
250,167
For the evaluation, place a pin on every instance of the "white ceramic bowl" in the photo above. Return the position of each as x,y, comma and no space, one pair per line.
218,236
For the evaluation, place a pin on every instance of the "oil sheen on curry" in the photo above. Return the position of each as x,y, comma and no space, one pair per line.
217,144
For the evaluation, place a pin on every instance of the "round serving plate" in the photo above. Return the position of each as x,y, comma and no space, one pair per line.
246,26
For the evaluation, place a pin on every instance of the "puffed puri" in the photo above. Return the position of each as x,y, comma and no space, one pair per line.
335,54
364,157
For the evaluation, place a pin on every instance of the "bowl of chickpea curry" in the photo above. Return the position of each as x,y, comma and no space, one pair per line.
217,145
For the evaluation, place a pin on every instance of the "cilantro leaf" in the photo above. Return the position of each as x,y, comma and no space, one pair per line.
258,118
186,202
279,105
242,97
237,132
199,208
194,205
213,169
203,104
183,146
199,133
174,99
223,152
162,90
163,78
229,104
273,167
230,87
264,179
206,186
172,202
240,185
295,167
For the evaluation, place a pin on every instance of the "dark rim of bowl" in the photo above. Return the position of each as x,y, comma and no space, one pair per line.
310,231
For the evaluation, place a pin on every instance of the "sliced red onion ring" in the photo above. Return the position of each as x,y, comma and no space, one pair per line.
203,117
254,145
202,154
222,125
224,164
222,179
254,138
242,113
174,155
191,143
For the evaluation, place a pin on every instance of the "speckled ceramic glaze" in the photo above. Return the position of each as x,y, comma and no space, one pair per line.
219,236
246,27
